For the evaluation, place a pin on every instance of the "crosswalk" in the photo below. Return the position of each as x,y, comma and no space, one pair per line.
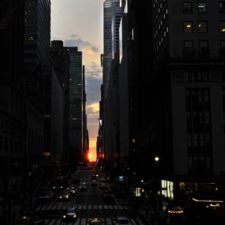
63,206
84,221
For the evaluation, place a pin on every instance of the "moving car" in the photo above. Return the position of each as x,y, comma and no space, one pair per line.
72,190
83,187
70,214
26,220
108,197
96,221
122,220
64,195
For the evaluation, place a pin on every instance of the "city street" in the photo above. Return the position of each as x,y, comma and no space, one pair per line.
87,204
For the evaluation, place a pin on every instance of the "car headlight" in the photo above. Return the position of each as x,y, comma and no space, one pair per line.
64,216
74,216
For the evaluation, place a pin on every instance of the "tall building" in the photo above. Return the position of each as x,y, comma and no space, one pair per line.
123,82
75,104
189,41
112,14
37,73
36,49
60,105
139,58
13,135
85,135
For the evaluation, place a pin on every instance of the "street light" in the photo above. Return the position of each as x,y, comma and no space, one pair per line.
156,158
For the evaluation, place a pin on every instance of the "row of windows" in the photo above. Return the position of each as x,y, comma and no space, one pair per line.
201,7
7,145
199,164
198,117
199,138
189,49
202,26
202,44
197,76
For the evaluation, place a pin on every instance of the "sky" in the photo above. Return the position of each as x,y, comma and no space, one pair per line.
80,23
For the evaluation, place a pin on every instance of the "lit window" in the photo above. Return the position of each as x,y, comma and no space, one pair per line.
202,7
222,6
187,7
202,27
188,27
222,26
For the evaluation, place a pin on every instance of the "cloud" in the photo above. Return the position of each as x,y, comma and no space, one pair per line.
93,113
75,40
94,107
91,54
93,85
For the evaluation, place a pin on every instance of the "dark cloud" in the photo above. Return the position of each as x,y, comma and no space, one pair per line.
93,85
74,40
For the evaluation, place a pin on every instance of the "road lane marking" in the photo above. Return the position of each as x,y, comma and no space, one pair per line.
52,222
108,221
83,221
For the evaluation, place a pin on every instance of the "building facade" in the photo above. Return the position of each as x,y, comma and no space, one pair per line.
112,14
188,39
75,103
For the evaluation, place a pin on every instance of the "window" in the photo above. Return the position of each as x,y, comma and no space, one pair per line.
222,44
222,26
188,47
188,44
222,6
203,44
202,7
188,27
204,48
1,143
222,47
202,26
187,7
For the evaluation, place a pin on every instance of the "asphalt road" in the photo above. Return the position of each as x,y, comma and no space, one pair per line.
88,204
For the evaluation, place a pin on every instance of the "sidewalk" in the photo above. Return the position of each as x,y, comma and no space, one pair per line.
152,217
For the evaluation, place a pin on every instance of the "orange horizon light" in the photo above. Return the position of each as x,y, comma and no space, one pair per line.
89,156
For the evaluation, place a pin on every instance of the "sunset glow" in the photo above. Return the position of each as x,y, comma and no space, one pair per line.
92,149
